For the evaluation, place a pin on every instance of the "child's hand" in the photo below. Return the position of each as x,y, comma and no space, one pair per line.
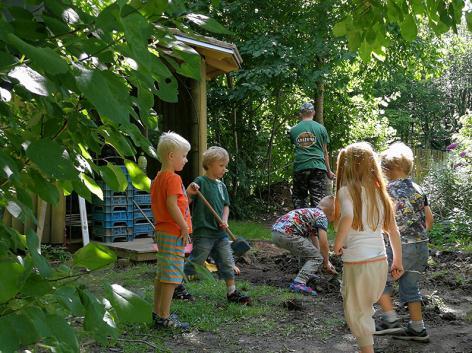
236,270
328,266
397,270
338,249
192,189
224,225
184,235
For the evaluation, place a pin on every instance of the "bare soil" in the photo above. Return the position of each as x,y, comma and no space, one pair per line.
317,325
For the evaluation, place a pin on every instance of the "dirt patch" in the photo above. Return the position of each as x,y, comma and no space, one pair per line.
316,325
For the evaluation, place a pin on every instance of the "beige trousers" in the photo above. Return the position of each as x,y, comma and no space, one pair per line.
362,286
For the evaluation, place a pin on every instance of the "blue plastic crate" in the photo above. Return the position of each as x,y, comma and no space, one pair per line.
139,192
113,200
112,216
113,223
121,231
143,199
143,228
108,208
138,215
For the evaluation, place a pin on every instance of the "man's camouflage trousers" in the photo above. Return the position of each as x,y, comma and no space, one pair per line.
309,182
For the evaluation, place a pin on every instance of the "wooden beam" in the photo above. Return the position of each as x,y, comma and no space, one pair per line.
199,130
222,65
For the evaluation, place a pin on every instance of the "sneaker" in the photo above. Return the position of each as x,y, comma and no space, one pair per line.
181,293
239,298
383,327
408,334
171,322
302,288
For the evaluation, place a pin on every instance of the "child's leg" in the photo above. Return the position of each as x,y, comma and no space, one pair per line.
414,308
157,292
362,286
223,257
200,251
166,291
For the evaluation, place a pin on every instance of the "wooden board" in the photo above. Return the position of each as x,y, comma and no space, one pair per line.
141,249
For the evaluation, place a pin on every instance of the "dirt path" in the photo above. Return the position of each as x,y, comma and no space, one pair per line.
319,326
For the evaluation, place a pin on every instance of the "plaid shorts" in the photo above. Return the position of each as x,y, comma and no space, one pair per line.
170,258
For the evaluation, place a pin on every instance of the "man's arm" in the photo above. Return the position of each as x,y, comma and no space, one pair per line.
329,173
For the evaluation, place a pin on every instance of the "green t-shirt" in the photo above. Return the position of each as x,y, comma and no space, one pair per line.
308,136
204,223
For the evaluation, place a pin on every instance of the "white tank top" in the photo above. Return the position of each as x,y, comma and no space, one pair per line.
361,245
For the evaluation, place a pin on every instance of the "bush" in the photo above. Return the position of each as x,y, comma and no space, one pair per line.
450,192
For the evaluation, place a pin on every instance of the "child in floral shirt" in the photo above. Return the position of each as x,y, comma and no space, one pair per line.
303,232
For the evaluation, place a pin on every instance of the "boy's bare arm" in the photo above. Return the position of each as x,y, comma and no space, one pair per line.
395,243
177,216
224,217
428,217
324,249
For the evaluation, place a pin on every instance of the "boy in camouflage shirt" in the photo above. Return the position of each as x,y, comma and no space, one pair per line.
414,219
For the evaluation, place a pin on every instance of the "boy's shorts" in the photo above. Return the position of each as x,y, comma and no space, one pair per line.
219,249
415,260
170,258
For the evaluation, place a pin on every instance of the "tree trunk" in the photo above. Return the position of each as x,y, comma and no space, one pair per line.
319,102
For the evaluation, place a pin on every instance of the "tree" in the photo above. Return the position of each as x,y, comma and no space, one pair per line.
75,76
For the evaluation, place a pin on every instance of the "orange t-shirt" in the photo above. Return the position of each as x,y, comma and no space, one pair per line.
164,185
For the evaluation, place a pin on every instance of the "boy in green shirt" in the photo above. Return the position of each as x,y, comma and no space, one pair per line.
311,166
209,237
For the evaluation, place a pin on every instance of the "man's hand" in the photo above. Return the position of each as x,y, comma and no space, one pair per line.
330,175
328,266
192,189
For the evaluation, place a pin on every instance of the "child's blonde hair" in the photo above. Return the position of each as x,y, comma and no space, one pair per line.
327,201
398,156
170,142
212,154
358,167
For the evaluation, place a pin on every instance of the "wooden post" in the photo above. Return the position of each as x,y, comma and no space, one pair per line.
58,221
199,121
42,209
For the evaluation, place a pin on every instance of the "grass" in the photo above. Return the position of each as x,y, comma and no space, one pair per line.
250,230
210,312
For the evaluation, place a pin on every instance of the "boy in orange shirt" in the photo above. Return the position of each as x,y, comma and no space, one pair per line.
170,207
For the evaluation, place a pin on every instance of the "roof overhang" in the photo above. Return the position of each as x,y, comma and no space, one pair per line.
220,57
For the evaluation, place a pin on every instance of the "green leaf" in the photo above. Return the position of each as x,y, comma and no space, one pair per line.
140,140
94,256
98,321
8,166
51,158
11,273
207,23
45,189
168,89
192,61
468,18
16,330
106,93
145,100
70,299
365,51
408,28
6,60
354,40
38,260
91,185
117,140
64,335
113,177
31,80
138,178
339,29
129,307
44,58
36,286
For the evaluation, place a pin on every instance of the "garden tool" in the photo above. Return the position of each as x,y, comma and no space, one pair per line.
239,245
188,247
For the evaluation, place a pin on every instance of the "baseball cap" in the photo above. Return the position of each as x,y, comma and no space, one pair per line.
307,107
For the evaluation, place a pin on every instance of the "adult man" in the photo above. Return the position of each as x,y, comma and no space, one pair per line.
311,165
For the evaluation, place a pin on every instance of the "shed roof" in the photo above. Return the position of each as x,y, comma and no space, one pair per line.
220,57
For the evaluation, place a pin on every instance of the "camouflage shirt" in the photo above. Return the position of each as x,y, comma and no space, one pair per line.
410,201
302,222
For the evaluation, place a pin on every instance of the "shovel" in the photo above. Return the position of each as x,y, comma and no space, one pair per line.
239,245
188,247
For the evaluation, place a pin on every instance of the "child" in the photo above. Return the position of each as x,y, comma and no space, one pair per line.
363,208
414,218
299,232
311,167
209,237
170,207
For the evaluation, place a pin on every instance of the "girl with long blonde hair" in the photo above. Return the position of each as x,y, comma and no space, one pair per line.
363,210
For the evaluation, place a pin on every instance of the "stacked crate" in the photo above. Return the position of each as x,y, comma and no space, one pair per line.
141,226
113,216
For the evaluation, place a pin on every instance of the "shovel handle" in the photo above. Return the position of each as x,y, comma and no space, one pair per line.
142,212
218,218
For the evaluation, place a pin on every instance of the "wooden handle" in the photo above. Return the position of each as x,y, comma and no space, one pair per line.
218,218
142,212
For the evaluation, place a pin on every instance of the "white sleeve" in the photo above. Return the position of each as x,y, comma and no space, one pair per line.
345,202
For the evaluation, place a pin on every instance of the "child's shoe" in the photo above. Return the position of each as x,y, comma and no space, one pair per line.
408,334
383,327
181,293
171,322
302,288
239,298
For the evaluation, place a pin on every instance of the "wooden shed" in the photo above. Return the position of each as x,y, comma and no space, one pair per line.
188,117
